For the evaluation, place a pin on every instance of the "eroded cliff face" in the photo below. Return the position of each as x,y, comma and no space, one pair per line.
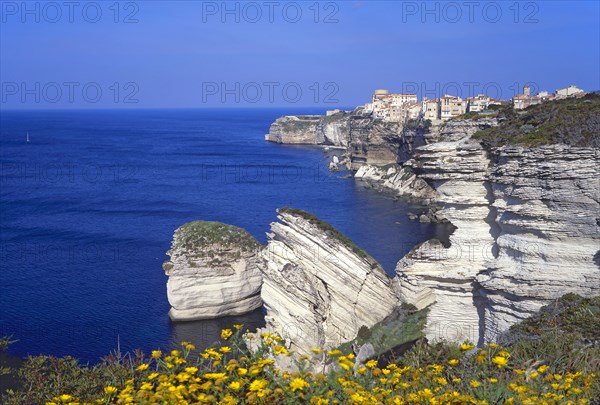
528,231
318,288
213,271
367,141
372,141
546,204
302,129
443,277
398,180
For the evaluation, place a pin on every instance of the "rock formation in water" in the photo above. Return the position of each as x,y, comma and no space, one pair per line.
213,271
318,287
398,180
302,130
521,188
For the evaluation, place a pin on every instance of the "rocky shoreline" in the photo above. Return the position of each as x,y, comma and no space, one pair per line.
526,231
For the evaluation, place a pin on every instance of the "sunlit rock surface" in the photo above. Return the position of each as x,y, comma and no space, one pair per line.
318,288
212,271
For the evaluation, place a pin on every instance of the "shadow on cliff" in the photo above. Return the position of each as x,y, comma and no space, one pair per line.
597,259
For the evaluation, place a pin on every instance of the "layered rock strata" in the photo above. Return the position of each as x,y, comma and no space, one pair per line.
527,219
528,231
443,277
303,130
366,140
400,181
318,288
213,271
546,204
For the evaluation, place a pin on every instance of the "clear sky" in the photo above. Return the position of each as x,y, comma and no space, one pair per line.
153,54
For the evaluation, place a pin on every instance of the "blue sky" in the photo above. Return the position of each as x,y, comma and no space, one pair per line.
216,54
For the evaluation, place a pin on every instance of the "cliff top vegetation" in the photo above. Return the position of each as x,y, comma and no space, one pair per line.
200,234
572,121
572,314
328,229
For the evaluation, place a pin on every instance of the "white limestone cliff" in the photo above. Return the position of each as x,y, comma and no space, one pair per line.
400,181
318,288
528,231
213,271
547,208
443,277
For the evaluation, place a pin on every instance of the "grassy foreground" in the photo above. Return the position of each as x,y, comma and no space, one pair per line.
546,366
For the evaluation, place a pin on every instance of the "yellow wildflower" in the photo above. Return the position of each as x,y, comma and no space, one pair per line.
110,390
142,367
474,383
280,350
466,346
371,363
228,400
440,380
146,386
64,398
298,384
453,362
226,334
191,370
215,376
258,385
500,361
319,401
156,354
235,385
346,364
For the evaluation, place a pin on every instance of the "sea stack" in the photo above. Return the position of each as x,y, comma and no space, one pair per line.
212,271
319,288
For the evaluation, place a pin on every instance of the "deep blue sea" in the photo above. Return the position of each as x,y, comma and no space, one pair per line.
88,208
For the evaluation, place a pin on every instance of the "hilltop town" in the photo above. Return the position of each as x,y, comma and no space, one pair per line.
396,107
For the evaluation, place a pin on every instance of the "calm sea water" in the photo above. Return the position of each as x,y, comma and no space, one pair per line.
88,208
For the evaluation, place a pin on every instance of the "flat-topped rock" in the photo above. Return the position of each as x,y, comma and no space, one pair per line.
212,271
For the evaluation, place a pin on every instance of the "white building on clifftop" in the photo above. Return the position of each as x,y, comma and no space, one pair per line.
568,91
392,107
452,106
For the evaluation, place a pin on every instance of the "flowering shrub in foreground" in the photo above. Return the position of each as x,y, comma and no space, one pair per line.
228,374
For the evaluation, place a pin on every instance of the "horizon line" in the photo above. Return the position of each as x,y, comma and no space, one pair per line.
169,108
